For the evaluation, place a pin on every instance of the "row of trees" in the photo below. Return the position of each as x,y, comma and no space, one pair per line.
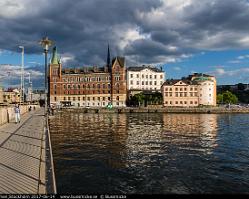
227,97
143,99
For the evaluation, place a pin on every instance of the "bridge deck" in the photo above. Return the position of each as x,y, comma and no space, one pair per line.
22,155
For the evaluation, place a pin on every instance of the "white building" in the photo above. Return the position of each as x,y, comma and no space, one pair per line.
144,78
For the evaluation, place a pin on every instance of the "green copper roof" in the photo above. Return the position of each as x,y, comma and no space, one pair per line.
55,59
202,78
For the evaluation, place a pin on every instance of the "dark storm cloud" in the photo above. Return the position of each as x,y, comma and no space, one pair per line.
83,28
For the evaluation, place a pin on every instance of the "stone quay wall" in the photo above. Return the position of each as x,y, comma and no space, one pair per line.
211,110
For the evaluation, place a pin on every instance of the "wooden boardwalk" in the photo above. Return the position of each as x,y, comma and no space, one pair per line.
22,155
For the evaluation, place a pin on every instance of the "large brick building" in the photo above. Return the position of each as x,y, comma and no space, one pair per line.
88,86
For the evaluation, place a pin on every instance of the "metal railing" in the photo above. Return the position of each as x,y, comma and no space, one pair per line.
50,174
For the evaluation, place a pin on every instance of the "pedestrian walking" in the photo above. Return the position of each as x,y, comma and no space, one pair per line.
17,113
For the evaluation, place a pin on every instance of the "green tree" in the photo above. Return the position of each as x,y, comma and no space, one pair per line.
229,97
220,98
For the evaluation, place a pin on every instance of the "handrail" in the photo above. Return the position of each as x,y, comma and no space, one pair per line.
54,189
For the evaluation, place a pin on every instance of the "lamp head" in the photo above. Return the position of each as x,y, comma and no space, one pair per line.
45,43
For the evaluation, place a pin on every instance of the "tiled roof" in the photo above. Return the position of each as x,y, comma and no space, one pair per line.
174,81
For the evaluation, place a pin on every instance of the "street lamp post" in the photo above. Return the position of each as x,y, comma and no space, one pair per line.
46,43
22,78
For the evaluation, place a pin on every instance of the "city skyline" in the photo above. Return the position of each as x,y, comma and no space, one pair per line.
184,36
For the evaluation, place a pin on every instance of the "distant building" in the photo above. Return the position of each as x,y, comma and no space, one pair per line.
197,89
11,96
88,86
144,78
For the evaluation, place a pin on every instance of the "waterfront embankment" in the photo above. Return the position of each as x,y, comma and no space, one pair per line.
201,110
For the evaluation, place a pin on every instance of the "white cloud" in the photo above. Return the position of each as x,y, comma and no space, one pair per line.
177,68
17,8
14,72
66,58
221,72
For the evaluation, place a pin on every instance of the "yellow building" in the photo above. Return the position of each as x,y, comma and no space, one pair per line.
11,97
195,90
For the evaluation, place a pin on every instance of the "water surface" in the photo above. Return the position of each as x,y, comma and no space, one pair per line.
150,153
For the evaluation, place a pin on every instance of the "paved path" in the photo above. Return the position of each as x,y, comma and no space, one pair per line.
22,155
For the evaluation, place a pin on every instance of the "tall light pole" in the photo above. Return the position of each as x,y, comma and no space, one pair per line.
22,78
46,43
30,89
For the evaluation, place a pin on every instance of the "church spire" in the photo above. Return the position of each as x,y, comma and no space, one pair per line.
55,59
108,61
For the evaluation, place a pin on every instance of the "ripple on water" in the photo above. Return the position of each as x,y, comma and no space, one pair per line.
151,153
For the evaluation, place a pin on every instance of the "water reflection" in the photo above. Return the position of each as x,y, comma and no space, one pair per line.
150,153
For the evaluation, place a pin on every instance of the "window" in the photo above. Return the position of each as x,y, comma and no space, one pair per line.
131,75
78,98
161,76
142,76
131,82
142,82
137,75
176,102
146,76
155,76
150,76
176,89
155,83
73,98
137,82
103,98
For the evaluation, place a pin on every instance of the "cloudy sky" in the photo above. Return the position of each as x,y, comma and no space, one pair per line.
183,36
